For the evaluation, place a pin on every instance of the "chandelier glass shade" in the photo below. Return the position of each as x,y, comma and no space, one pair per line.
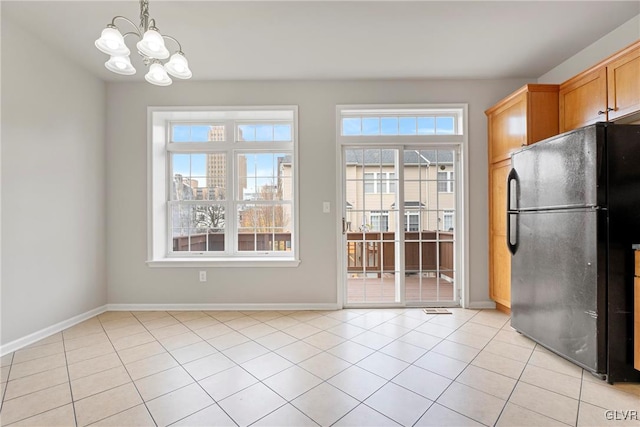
151,47
120,65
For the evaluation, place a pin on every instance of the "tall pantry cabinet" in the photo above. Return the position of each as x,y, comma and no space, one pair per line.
528,115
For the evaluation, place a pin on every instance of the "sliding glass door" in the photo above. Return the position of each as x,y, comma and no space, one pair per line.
399,230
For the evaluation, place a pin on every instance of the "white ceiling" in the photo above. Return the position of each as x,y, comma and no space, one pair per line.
337,40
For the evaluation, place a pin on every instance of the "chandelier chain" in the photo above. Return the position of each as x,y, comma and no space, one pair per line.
144,15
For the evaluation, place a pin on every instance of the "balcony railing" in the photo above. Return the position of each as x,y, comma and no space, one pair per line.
375,251
367,251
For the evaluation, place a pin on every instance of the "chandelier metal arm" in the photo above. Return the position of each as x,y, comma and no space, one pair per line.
175,41
137,29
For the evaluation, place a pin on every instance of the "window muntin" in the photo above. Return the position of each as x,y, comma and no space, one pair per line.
185,132
206,182
264,132
445,124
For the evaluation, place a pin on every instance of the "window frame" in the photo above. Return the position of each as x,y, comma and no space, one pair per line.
160,150
435,112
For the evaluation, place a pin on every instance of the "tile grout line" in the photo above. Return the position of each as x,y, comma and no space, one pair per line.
188,373
259,381
37,391
360,402
127,371
6,386
580,398
547,390
66,364
467,365
322,350
435,401
289,401
514,388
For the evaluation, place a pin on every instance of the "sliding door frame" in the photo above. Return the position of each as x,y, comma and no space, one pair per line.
457,142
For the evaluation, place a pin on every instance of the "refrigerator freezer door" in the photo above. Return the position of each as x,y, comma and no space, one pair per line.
558,172
554,288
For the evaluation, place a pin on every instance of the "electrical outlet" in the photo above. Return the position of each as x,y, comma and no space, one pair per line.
203,276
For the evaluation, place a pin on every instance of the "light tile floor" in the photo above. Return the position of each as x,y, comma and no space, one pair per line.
364,367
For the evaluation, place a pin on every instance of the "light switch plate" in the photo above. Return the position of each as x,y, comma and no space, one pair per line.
326,207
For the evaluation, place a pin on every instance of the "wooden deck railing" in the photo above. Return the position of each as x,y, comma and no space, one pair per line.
369,251
246,242
375,252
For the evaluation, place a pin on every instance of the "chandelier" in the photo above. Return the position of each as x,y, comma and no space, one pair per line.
151,47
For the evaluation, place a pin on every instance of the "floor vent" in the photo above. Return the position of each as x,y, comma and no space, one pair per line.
436,311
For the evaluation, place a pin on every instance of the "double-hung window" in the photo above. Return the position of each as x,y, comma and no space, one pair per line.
223,185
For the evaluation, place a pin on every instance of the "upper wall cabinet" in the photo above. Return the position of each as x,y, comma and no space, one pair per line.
583,100
623,85
608,91
528,115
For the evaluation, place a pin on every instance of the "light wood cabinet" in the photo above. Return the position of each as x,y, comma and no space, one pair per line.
583,100
528,115
623,85
607,91
499,255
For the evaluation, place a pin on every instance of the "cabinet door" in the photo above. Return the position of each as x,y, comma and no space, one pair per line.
583,100
499,255
507,129
623,80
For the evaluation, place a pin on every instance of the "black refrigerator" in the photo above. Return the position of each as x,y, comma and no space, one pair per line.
573,214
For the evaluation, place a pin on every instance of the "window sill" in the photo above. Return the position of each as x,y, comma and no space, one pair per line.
224,262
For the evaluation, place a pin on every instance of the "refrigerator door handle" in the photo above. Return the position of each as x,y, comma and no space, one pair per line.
512,232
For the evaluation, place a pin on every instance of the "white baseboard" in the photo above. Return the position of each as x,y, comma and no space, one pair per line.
50,330
477,305
221,307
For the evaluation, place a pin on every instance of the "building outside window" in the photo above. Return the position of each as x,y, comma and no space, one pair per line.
448,221
380,221
379,182
445,182
412,221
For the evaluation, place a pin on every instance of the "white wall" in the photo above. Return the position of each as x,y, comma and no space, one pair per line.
616,40
53,187
314,281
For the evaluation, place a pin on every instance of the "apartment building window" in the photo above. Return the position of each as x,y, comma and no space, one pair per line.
412,221
223,185
380,221
448,221
379,182
445,182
